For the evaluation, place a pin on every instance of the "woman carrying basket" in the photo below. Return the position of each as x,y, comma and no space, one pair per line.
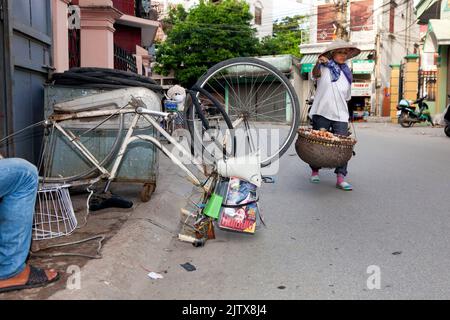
329,110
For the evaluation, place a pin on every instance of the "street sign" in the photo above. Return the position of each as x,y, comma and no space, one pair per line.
307,67
363,66
361,89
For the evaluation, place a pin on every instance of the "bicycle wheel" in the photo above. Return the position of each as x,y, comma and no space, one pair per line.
260,98
59,161
209,126
62,162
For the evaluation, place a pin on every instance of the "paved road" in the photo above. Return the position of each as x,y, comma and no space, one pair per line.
320,241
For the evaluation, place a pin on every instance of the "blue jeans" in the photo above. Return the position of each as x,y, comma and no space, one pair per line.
18,187
337,127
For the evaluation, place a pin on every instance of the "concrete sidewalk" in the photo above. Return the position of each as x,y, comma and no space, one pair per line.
140,245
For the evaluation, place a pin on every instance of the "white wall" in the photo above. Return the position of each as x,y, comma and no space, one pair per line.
394,47
401,43
266,27
445,9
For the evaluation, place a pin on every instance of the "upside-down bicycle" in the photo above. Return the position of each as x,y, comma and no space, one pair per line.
238,92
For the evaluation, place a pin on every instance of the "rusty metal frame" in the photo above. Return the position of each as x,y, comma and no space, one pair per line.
129,138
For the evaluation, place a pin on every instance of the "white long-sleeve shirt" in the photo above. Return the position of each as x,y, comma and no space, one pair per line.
330,100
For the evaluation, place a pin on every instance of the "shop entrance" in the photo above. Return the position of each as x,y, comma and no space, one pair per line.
359,108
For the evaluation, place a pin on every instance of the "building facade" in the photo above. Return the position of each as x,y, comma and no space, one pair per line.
435,15
262,11
43,36
384,30
123,31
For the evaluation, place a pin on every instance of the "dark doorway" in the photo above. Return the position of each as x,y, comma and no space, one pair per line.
29,41
3,82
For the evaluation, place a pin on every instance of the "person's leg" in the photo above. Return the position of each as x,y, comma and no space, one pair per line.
18,186
341,128
319,122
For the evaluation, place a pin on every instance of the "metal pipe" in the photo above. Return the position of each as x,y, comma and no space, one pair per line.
173,141
82,148
167,152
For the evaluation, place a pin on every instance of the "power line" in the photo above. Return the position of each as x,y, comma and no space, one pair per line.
221,27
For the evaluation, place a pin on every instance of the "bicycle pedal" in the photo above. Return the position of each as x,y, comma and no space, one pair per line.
268,179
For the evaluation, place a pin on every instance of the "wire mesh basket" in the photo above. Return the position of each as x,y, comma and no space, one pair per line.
54,215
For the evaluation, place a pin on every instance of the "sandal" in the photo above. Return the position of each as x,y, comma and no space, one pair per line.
344,186
37,278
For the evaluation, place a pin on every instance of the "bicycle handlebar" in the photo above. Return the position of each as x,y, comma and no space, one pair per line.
142,110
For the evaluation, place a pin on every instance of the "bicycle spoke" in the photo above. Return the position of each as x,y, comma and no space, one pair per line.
259,94
262,82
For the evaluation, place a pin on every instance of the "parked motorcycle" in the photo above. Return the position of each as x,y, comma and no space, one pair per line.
447,120
407,114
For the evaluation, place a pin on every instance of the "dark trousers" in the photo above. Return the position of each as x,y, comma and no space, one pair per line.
337,127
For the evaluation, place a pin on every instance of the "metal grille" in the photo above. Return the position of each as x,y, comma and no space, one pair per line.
74,48
428,84
123,60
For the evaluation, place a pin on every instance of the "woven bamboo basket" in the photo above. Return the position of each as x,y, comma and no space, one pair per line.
321,152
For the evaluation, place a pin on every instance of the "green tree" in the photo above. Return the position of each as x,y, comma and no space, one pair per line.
175,15
209,33
287,36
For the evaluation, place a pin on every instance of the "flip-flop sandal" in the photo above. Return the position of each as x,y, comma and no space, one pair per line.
344,186
36,279
314,179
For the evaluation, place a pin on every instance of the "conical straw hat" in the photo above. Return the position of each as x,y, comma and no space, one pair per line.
341,44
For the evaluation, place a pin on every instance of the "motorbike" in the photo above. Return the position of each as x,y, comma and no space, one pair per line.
447,120
407,114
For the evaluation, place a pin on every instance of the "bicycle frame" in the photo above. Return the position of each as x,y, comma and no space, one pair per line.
129,138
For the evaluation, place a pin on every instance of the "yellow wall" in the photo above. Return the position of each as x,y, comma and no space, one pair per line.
394,88
411,79
442,86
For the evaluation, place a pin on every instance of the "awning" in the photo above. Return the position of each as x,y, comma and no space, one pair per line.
427,9
364,55
438,35
281,62
309,60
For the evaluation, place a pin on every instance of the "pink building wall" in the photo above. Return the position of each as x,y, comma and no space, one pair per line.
60,38
97,33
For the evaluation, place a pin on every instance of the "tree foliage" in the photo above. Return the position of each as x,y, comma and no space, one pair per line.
207,34
287,36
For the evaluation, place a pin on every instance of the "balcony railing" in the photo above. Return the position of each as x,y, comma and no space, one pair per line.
124,60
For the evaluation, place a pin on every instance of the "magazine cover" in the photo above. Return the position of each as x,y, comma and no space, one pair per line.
243,210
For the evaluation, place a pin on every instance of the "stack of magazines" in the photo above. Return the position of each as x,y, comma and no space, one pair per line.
240,208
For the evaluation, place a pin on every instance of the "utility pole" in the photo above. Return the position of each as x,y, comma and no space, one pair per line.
377,74
342,32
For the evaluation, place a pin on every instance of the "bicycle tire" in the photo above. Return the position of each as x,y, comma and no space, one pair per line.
284,81
101,72
194,106
93,170
68,179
